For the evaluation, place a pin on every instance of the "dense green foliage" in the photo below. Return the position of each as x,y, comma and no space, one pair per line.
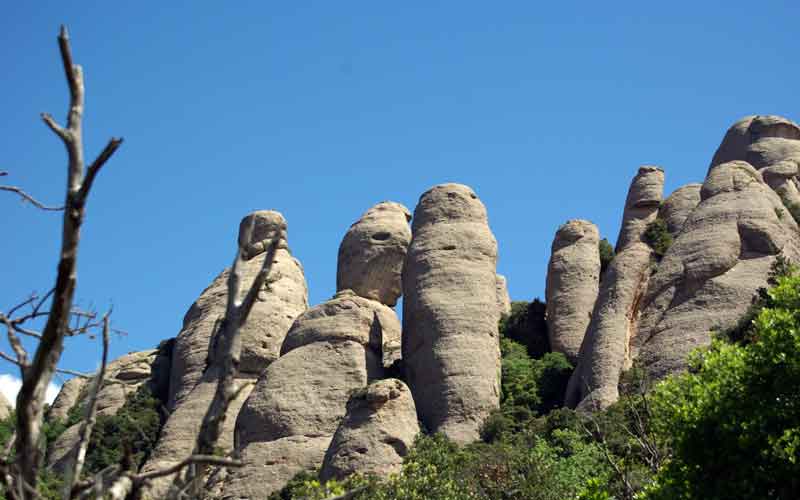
526,324
131,432
606,255
743,404
657,236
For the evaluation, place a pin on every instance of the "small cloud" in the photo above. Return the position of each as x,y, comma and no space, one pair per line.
9,386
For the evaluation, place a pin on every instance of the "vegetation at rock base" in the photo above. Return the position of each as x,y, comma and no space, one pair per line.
658,237
526,325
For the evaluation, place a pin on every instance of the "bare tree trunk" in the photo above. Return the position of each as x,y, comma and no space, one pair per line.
37,376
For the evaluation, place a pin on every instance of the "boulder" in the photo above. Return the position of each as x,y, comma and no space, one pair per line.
604,352
269,465
677,207
450,339
709,275
66,399
378,430
781,178
372,253
761,140
573,279
641,206
283,298
503,299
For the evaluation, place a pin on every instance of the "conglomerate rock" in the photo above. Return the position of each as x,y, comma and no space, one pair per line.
503,299
573,279
372,252
376,433
5,407
450,314
781,177
709,275
604,351
677,207
66,399
194,372
761,140
283,298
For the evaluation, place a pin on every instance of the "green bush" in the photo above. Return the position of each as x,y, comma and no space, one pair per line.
606,255
734,419
526,324
657,236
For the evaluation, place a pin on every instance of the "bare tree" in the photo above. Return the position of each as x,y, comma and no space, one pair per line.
38,372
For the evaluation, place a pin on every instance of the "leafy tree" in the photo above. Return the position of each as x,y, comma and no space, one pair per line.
606,255
734,419
526,324
658,237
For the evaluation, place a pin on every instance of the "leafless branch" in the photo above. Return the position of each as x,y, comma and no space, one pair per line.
30,400
88,422
30,199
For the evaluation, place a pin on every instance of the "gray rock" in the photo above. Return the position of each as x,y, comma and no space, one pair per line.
677,207
781,178
761,140
372,253
709,275
304,392
573,280
284,297
378,430
450,339
269,465
641,206
503,299
66,399
604,351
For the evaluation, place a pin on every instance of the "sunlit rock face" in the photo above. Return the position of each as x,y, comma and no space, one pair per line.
450,314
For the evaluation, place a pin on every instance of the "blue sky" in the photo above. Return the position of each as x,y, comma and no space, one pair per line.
322,109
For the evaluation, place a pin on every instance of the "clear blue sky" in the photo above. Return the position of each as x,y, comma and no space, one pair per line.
321,109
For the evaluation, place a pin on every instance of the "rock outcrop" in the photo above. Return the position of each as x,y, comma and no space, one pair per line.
284,297
573,280
450,314
503,299
761,140
604,352
677,207
194,374
372,252
66,399
377,431
782,178
709,275
331,350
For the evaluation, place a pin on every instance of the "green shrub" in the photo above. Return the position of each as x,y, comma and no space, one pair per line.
606,255
526,324
657,236
734,419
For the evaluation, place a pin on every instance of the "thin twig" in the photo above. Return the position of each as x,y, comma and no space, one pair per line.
26,197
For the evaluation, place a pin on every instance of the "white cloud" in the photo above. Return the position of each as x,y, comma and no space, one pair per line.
9,386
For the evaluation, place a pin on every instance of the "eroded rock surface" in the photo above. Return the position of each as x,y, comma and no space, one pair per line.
709,275
66,399
378,430
573,280
372,253
604,352
5,407
450,314
503,299
761,140
677,207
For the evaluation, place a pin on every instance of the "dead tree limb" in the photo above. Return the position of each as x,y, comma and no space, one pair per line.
30,400
30,199
74,473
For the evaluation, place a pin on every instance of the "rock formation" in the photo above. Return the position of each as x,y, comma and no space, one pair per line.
66,399
503,299
331,350
194,375
123,378
573,279
761,140
781,177
5,407
377,431
604,352
372,252
450,314
709,275
677,207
